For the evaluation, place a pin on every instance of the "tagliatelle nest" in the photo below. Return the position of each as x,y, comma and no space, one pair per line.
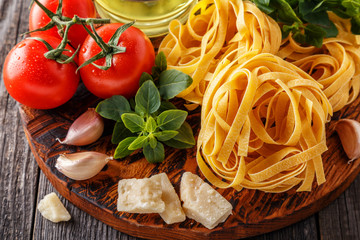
214,29
262,125
336,65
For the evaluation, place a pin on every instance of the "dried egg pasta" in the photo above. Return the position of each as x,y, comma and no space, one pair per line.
336,65
262,125
215,28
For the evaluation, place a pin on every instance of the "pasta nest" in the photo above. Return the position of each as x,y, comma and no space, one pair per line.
262,125
336,65
213,30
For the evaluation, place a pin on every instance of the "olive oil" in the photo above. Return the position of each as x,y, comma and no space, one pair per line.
152,16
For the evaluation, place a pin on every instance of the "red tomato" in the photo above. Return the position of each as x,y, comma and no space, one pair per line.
123,76
36,81
81,8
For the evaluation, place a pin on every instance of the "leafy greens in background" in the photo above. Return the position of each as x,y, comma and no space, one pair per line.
308,20
149,120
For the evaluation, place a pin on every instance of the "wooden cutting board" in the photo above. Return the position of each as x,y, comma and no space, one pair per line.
254,212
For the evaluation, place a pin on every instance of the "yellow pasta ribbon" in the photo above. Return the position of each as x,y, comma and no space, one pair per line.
336,65
262,98
214,29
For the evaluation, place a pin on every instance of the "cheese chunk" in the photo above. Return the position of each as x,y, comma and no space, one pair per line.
173,211
203,203
52,209
140,196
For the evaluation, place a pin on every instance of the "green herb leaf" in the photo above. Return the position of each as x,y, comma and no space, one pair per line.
185,138
314,35
152,141
165,135
120,132
150,125
112,108
154,155
133,122
122,149
138,143
145,77
171,119
172,82
147,98
160,61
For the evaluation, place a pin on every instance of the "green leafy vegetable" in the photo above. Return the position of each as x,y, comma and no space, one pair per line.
172,82
148,98
156,154
122,131
147,120
133,122
122,149
171,119
308,20
112,108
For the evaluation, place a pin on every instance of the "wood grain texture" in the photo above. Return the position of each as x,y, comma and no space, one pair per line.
18,170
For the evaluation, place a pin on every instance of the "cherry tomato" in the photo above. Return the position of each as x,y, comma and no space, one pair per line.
122,78
36,81
81,8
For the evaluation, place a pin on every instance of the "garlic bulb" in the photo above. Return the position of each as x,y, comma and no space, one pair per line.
81,165
85,130
349,133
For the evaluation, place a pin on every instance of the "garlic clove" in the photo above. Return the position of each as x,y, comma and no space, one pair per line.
349,134
81,165
85,130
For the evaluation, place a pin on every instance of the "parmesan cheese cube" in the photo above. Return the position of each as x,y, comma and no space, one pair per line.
140,196
52,209
203,203
173,211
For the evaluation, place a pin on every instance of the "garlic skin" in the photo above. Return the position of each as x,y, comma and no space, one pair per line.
349,134
85,130
81,165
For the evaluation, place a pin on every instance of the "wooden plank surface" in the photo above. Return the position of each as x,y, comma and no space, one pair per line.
22,184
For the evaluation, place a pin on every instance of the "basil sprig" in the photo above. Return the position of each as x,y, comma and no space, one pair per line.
308,20
149,120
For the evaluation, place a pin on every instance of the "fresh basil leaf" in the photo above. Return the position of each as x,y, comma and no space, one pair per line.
122,149
112,108
154,155
314,35
160,61
284,12
133,122
152,141
319,18
150,125
263,5
171,119
138,143
185,138
172,82
147,98
145,77
352,7
120,132
165,135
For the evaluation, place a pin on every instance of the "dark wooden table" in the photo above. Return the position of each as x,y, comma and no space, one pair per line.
22,184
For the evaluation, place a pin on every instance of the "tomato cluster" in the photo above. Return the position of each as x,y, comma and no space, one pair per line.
39,82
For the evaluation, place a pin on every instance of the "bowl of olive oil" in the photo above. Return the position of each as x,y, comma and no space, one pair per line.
151,16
